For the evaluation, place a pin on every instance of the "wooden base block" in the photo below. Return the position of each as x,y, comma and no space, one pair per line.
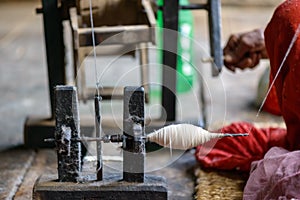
111,188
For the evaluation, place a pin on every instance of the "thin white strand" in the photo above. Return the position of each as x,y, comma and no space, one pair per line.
277,73
94,48
281,65
170,146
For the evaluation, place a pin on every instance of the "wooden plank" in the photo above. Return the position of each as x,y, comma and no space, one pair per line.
180,177
44,162
115,35
13,167
112,187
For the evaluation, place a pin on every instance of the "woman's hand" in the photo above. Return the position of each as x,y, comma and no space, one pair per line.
244,50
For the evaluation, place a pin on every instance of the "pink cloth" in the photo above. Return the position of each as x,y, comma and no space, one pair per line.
277,176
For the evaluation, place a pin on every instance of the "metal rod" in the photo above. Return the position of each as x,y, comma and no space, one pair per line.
189,7
235,134
98,135
170,22
194,7
144,61
214,19
105,139
202,101
55,51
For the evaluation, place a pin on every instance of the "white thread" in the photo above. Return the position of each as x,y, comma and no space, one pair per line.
277,73
279,69
170,146
94,48
182,136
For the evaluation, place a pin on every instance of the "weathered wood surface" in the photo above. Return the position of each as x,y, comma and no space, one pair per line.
180,178
19,169
14,164
44,162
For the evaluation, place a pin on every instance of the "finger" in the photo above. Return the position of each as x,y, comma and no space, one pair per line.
259,46
242,49
257,38
264,53
249,62
232,43
256,59
254,40
253,57
251,42
230,67
228,58
244,63
238,54
229,51
231,58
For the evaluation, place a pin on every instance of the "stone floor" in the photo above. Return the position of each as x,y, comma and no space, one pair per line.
23,86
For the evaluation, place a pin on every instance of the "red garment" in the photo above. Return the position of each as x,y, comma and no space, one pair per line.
278,36
238,152
271,105
233,153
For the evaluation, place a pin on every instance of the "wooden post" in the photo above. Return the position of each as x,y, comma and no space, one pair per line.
66,132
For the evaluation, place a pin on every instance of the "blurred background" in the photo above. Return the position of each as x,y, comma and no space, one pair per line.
23,70
229,97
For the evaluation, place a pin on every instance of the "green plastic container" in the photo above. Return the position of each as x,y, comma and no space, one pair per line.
185,59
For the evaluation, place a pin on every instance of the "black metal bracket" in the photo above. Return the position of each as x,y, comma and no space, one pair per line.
170,10
54,46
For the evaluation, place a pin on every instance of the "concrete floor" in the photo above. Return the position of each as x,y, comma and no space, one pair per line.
23,71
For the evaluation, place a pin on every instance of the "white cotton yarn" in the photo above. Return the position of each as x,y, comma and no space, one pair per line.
182,136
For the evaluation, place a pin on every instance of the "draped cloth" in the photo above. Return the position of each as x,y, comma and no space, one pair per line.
278,36
277,176
238,153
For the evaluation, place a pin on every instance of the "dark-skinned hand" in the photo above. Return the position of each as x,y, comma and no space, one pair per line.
244,50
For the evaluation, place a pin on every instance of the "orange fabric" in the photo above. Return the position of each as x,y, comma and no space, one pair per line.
278,36
271,105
